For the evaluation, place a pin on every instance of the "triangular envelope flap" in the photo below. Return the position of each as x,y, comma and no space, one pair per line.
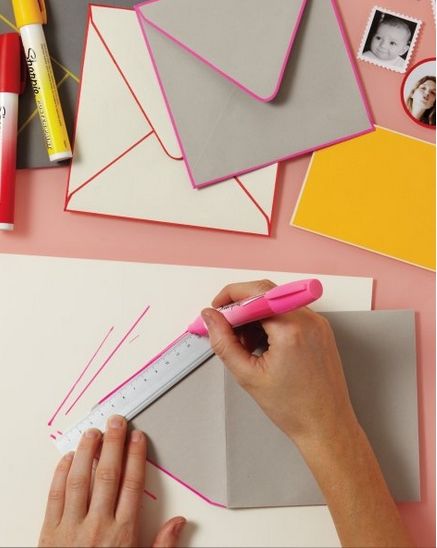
148,184
235,133
247,41
121,33
106,107
186,431
255,186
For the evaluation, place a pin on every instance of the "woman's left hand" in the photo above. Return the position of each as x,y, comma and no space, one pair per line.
102,507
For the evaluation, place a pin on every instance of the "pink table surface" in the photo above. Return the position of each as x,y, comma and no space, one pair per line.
42,228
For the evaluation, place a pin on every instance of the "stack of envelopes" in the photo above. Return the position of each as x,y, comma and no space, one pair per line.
222,92
222,89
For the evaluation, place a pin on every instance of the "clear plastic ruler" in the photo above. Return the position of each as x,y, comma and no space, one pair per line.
176,362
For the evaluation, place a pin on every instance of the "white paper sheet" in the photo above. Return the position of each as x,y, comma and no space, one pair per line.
54,315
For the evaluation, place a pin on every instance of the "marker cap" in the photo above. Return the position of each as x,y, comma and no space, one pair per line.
11,74
29,12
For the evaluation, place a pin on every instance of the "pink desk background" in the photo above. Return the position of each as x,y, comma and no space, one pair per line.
42,228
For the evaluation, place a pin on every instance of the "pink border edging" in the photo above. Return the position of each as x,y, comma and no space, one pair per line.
220,71
189,487
371,127
69,208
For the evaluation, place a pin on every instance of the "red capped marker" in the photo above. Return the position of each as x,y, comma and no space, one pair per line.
11,85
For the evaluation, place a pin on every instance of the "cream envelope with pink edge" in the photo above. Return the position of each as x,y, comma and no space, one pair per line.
127,161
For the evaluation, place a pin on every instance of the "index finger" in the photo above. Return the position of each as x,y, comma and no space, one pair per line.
238,291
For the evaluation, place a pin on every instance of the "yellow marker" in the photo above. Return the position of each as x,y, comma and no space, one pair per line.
30,15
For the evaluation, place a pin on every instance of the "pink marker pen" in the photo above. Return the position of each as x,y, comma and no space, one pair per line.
10,88
278,300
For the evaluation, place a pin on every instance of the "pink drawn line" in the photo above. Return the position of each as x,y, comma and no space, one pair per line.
79,378
257,205
105,168
206,499
148,364
134,339
108,359
52,436
149,494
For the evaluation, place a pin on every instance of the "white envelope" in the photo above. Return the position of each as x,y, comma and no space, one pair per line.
127,161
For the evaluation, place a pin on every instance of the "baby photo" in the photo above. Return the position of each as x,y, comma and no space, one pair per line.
389,39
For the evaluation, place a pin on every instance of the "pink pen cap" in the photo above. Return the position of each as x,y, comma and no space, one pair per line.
279,300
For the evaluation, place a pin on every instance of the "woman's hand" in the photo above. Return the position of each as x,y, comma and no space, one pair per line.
298,381
100,506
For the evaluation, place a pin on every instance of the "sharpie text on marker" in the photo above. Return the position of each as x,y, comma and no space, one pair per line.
30,15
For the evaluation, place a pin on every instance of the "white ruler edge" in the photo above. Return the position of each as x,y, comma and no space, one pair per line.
175,363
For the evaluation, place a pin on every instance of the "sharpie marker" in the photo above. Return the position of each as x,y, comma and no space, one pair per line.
30,15
278,300
10,87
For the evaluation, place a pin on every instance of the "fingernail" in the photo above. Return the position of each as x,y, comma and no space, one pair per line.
116,422
137,436
178,526
69,456
208,318
92,433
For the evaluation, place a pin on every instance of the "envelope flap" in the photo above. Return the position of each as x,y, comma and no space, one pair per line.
120,33
248,41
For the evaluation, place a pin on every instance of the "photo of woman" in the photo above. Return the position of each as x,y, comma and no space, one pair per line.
419,93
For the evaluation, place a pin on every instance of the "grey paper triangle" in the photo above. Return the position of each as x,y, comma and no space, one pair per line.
211,435
248,41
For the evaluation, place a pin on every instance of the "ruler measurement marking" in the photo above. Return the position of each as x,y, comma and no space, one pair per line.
151,382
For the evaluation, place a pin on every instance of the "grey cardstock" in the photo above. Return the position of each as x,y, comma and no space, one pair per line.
65,31
211,435
224,131
261,34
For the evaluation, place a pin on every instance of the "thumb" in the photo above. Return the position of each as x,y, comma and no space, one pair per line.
227,345
169,533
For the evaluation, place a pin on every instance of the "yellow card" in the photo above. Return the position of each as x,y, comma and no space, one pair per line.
376,192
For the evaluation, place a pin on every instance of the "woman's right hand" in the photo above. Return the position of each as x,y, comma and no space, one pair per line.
298,381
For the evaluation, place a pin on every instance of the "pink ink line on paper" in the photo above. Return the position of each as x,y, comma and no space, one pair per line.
149,494
108,359
90,361
148,364
189,487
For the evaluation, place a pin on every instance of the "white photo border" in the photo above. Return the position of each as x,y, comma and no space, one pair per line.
364,38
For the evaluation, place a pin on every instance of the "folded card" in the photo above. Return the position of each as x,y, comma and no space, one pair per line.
252,82
224,447
127,161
